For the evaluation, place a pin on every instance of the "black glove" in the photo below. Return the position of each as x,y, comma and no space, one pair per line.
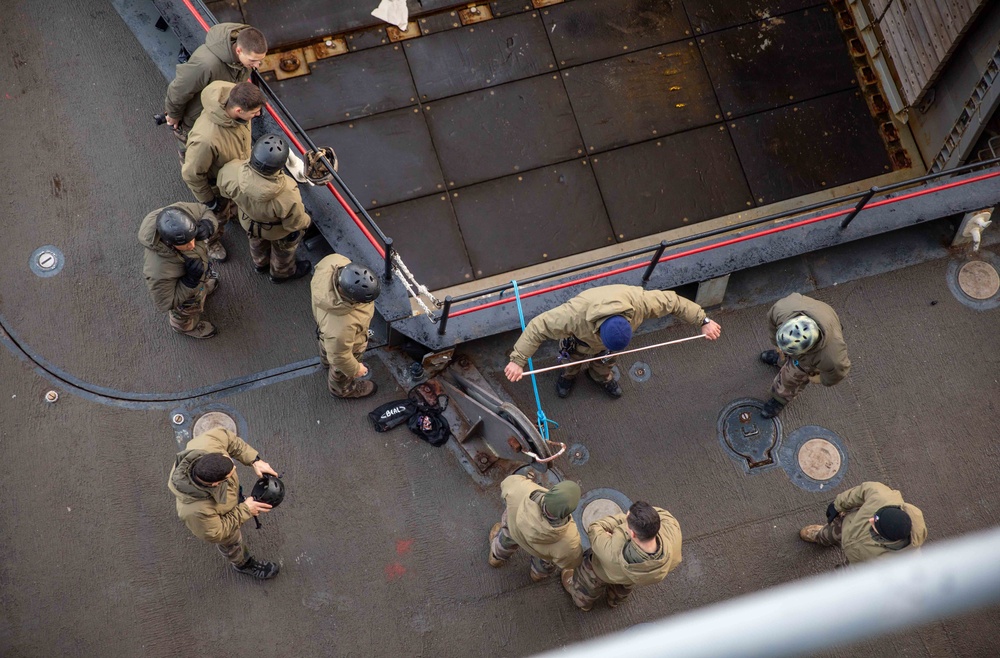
193,271
214,204
831,513
205,230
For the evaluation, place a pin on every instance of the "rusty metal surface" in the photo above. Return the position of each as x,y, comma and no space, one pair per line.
536,216
712,15
813,145
681,179
638,96
494,132
586,30
426,234
778,61
365,146
479,56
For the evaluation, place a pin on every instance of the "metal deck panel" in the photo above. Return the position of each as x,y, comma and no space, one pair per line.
226,11
285,22
479,56
348,86
532,217
777,61
425,233
586,30
642,95
713,15
671,182
386,158
515,127
809,146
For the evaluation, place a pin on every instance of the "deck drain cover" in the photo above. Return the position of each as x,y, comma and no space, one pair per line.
814,458
212,420
596,504
578,454
46,261
747,436
640,372
978,279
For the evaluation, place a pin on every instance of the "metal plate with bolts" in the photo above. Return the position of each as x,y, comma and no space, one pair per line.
814,458
189,423
596,504
749,438
640,372
46,261
578,454
975,281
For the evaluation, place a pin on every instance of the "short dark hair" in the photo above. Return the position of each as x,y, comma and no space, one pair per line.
212,468
245,95
251,40
644,520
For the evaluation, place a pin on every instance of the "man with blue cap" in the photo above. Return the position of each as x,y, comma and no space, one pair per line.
601,320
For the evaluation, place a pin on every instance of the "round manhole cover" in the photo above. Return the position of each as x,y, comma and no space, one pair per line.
979,279
640,372
819,459
212,420
749,437
598,509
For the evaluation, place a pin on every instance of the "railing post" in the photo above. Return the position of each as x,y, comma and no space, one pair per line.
388,260
443,319
858,208
652,263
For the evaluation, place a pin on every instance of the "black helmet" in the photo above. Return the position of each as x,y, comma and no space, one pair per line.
269,154
269,489
175,226
358,284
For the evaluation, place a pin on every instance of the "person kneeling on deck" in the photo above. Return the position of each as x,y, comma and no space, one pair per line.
598,320
869,521
343,303
207,489
637,548
540,521
810,342
177,268
270,208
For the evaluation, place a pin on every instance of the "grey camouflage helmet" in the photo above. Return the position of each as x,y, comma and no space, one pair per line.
798,335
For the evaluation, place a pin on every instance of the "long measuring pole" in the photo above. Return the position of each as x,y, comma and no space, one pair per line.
595,358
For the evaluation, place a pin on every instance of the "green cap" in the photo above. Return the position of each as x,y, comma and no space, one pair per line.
562,499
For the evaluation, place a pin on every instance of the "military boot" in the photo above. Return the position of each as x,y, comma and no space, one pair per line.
567,583
809,533
361,389
217,252
564,386
772,408
771,358
204,329
302,268
611,387
261,569
494,531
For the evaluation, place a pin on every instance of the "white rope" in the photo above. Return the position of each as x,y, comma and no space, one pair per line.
421,288
414,295
638,349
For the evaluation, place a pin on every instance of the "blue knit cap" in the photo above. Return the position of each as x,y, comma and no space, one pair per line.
616,333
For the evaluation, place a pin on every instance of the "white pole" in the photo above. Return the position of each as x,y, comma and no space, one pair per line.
638,349
822,612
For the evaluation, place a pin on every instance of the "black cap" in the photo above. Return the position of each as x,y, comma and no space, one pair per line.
893,523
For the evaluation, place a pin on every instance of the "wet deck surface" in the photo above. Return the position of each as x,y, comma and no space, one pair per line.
382,539
685,110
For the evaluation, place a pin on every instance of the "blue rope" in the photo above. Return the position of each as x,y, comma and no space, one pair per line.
543,422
